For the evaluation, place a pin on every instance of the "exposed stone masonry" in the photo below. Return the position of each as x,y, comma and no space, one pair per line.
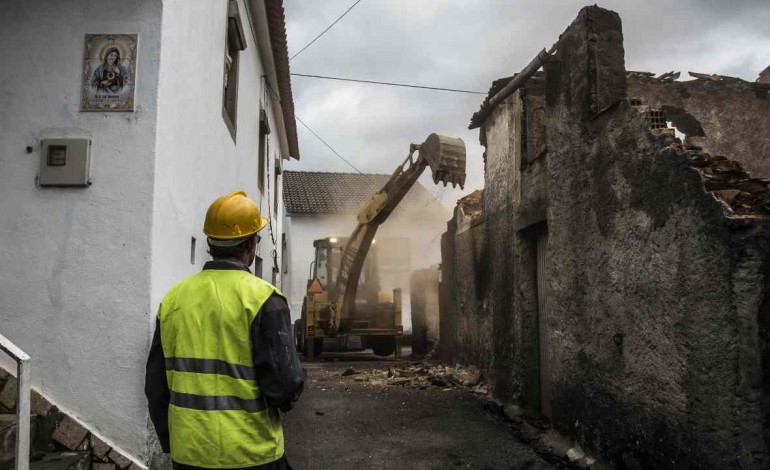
56,432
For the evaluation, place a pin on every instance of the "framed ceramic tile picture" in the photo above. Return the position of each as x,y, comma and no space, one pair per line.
109,71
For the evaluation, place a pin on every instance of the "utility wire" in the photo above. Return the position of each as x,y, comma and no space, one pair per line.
277,97
325,30
373,82
326,144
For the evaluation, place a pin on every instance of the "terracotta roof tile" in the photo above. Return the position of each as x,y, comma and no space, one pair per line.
310,192
276,23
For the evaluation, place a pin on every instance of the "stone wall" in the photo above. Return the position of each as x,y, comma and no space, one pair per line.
647,338
733,114
465,328
423,288
55,434
655,295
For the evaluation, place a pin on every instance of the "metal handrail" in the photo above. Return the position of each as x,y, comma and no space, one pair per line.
23,398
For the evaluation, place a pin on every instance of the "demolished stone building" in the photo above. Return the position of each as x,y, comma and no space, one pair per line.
613,277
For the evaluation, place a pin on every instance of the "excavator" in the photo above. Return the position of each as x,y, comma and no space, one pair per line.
332,307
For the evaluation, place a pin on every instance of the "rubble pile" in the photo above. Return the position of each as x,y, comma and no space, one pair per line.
421,375
733,185
726,179
472,204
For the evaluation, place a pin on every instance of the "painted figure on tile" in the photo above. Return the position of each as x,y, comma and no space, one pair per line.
110,75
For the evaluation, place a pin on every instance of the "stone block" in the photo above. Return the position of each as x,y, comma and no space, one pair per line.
8,393
84,446
83,463
102,466
99,448
120,460
69,433
7,436
39,405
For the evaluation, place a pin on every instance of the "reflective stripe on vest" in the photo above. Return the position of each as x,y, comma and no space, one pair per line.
210,366
203,402
218,417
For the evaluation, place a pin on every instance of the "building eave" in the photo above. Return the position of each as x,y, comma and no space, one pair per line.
269,22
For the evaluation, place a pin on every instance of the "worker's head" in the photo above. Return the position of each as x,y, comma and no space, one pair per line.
232,223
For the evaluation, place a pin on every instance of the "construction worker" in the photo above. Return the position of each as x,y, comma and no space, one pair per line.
222,361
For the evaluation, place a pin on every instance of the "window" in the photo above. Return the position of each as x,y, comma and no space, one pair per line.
320,263
284,258
275,193
258,267
235,42
264,131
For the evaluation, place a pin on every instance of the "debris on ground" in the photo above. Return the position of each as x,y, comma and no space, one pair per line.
422,375
410,376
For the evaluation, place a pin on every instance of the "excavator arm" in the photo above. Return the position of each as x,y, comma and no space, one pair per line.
446,158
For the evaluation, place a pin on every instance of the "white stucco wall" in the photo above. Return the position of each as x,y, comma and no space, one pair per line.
197,158
74,288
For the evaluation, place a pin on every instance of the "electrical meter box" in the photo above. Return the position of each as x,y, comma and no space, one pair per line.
65,162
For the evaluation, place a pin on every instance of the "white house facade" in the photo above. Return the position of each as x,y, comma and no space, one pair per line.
85,266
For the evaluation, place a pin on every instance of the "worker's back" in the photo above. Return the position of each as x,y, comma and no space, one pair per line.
217,416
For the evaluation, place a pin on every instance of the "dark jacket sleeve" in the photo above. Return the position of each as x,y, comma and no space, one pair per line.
280,376
156,390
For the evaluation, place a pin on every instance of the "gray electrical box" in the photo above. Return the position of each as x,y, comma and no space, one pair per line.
65,162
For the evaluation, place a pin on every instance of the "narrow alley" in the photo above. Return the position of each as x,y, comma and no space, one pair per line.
362,412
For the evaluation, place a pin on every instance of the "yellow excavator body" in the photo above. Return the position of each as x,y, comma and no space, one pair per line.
335,313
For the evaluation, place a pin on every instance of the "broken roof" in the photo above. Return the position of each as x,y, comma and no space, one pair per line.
312,192
537,80
472,204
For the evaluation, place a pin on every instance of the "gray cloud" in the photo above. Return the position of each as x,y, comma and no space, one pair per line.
468,44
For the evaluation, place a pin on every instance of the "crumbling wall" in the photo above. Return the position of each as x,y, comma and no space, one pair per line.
655,291
465,328
423,286
655,300
492,258
732,113
656,273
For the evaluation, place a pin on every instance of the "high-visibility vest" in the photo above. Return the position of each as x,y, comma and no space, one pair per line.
217,416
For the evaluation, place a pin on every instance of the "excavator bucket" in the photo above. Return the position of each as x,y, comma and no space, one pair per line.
446,158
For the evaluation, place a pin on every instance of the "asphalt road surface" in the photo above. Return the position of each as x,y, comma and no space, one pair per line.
346,423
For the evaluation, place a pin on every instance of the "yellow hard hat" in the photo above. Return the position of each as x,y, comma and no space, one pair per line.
233,216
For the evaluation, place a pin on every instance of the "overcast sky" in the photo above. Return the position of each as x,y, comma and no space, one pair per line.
467,44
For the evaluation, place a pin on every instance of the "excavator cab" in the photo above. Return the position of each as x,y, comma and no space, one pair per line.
375,312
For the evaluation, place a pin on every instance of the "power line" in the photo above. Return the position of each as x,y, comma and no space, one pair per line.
277,97
326,144
325,30
373,82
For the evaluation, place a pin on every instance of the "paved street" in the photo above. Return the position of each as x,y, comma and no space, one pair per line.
342,422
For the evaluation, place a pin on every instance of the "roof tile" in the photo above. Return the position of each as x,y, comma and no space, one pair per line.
311,192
